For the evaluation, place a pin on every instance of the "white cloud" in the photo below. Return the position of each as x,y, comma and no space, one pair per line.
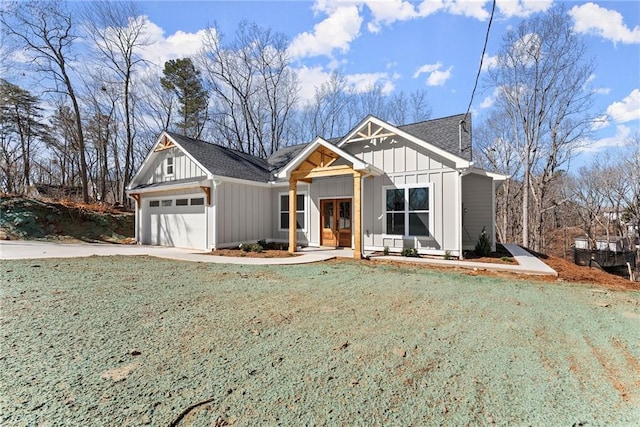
362,82
473,9
626,110
590,18
337,31
623,133
309,79
178,45
437,76
602,90
488,101
522,8
600,122
489,62
387,12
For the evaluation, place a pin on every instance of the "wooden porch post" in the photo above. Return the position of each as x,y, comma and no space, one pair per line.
292,215
357,217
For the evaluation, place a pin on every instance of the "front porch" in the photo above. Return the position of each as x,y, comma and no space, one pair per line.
340,222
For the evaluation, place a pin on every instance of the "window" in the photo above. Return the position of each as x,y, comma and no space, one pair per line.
199,201
182,202
169,166
167,203
154,203
407,211
300,211
395,211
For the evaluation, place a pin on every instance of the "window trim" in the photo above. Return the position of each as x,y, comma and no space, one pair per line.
303,211
406,211
169,163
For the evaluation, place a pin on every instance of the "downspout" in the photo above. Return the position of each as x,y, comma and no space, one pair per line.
459,210
214,214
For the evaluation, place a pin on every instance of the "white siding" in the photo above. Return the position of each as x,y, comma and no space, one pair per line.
302,237
477,203
244,213
406,164
183,167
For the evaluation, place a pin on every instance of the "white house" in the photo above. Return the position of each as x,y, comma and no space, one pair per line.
379,186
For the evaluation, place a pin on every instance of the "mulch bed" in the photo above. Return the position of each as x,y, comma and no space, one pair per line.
266,253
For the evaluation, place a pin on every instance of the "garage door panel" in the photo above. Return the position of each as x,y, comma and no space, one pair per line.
178,226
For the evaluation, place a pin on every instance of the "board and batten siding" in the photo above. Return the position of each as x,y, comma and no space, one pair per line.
477,204
183,167
407,164
302,237
244,213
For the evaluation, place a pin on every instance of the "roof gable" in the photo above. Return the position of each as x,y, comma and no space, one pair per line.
318,147
438,136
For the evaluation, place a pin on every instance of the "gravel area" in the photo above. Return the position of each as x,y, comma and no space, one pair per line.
133,341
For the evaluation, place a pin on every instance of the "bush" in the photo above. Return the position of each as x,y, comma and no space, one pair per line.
409,252
483,246
251,247
385,251
447,255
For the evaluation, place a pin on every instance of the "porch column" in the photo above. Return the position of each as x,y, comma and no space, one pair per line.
292,215
357,215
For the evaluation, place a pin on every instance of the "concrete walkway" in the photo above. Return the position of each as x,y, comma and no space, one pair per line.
527,263
36,249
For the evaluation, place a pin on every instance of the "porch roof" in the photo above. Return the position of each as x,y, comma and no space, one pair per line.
310,149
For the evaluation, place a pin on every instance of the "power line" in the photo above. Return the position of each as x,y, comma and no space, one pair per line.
484,49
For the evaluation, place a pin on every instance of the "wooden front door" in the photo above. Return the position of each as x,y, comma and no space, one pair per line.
335,222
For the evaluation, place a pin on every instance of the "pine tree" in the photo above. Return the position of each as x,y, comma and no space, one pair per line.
183,79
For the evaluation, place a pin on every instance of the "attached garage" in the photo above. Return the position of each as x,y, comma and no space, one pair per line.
178,221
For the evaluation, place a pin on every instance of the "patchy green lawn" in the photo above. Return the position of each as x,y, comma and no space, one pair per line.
132,341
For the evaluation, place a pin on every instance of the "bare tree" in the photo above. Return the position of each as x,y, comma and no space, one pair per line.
542,74
253,88
117,30
46,32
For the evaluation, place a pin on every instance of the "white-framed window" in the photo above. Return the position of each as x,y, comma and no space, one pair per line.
154,203
197,201
283,211
408,210
169,166
166,203
182,202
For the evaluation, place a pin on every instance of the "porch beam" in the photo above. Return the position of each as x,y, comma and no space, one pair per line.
292,214
357,214
322,172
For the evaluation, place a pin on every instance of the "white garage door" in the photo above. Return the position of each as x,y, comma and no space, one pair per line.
178,221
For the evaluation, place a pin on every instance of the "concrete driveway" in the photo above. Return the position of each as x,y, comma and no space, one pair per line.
36,249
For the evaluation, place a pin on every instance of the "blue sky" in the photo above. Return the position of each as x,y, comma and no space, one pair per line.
435,44
430,44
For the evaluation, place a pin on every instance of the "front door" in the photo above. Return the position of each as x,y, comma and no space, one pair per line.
335,222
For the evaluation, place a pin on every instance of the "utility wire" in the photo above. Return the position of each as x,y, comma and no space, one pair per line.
484,49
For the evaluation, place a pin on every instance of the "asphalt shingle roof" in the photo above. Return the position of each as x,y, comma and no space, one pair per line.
223,161
444,133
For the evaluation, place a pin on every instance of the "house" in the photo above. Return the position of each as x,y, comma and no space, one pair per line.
409,186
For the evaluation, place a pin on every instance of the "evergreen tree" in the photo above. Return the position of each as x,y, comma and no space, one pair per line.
183,79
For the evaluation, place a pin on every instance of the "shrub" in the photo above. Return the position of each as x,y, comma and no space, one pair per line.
483,246
447,255
410,252
385,251
251,247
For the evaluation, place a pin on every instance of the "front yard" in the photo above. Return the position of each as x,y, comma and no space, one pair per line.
140,340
